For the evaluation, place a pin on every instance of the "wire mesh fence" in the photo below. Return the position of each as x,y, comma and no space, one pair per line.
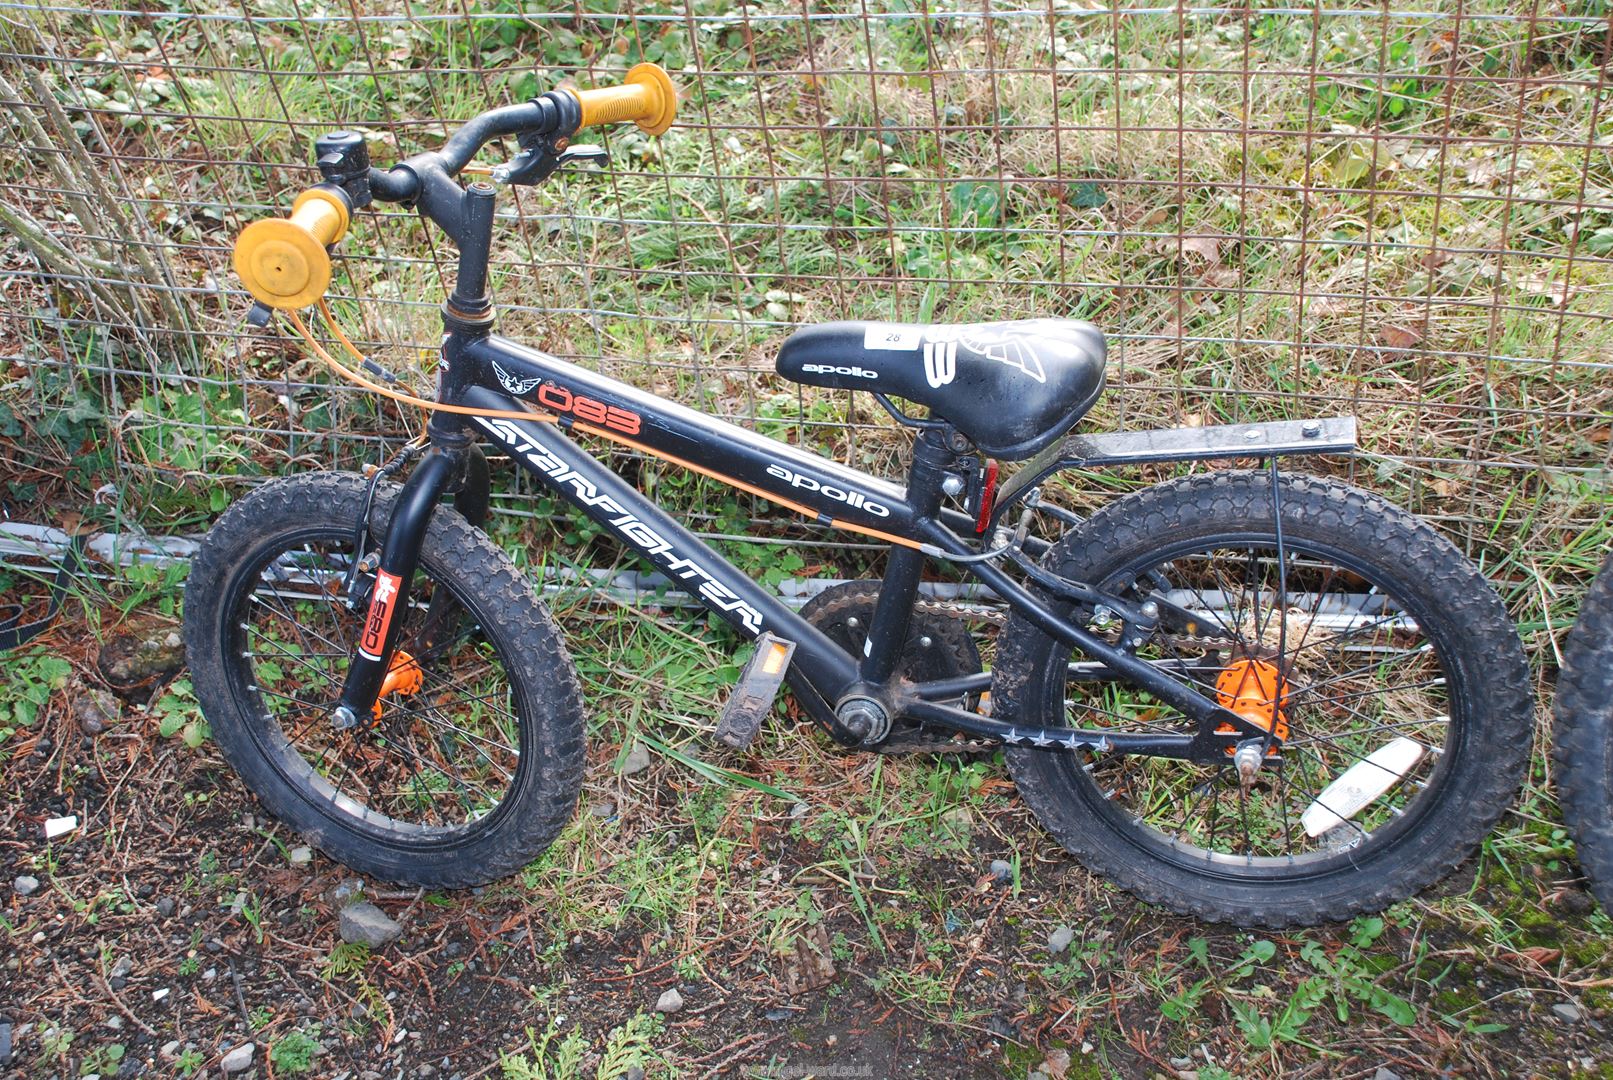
1273,211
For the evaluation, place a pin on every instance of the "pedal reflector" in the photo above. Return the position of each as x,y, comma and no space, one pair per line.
755,692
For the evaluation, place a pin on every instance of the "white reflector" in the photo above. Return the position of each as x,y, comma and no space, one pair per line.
1360,785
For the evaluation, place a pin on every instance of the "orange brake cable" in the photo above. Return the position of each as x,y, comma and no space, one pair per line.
369,384
549,418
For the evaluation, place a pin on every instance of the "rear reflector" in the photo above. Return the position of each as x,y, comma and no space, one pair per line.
988,498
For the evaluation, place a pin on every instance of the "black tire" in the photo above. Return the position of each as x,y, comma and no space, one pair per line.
492,771
1097,806
1582,735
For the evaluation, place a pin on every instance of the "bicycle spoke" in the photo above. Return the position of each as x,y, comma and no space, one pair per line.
1303,614
440,758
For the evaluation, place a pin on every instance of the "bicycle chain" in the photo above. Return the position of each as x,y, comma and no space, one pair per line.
996,616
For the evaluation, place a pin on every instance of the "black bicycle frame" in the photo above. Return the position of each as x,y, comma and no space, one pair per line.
487,372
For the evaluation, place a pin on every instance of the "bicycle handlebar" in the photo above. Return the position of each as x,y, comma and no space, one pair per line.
284,262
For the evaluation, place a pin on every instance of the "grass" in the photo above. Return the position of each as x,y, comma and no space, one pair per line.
699,878
1385,240
955,169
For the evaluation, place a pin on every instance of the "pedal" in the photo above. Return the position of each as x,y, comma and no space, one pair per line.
755,692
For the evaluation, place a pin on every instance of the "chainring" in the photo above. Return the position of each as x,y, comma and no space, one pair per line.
938,646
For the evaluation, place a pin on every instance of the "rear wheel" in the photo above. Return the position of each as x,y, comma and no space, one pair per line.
1385,654
472,761
1582,735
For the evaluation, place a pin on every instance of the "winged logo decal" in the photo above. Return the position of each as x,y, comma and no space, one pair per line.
516,386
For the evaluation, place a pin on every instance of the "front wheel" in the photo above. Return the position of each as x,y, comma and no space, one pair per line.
473,758
1582,735
1380,651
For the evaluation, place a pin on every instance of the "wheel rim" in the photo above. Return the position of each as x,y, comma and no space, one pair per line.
1359,667
437,764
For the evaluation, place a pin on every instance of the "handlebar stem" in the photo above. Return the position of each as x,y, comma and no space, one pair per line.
469,298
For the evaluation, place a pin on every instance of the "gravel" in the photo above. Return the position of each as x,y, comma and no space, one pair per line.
364,922
239,1059
637,759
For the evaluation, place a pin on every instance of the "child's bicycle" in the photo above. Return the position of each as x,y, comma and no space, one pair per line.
1582,735
1256,697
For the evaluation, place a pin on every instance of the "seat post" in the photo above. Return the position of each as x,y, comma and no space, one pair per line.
932,456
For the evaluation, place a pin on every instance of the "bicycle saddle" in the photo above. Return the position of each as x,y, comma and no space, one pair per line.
1010,387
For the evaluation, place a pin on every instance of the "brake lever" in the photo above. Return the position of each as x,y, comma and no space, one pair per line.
587,154
540,157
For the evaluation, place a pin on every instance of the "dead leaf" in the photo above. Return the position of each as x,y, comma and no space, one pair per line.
809,964
1057,1064
1434,258
1554,289
1539,955
1349,169
1398,336
1207,248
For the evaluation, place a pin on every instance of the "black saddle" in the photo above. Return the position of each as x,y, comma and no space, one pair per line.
1010,387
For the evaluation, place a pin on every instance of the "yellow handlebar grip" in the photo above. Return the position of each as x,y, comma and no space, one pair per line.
645,97
282,261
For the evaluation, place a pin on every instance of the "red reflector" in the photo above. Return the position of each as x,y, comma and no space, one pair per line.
988,498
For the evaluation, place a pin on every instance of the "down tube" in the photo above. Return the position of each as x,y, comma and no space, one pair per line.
645,528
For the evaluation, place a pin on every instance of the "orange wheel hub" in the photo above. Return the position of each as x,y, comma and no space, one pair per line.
404,678
1256,691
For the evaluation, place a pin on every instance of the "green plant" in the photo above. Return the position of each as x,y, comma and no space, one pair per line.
102,1059
178,714
294,1052
1351,973
349,962
56,1041
30,678
546,1058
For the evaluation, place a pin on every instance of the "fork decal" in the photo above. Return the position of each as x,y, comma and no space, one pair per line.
379,619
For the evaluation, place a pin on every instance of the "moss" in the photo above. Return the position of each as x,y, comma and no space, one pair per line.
1019,1060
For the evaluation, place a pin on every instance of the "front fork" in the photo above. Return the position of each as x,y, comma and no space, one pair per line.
443,469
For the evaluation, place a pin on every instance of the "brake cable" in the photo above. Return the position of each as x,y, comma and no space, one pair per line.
535,416
374,387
